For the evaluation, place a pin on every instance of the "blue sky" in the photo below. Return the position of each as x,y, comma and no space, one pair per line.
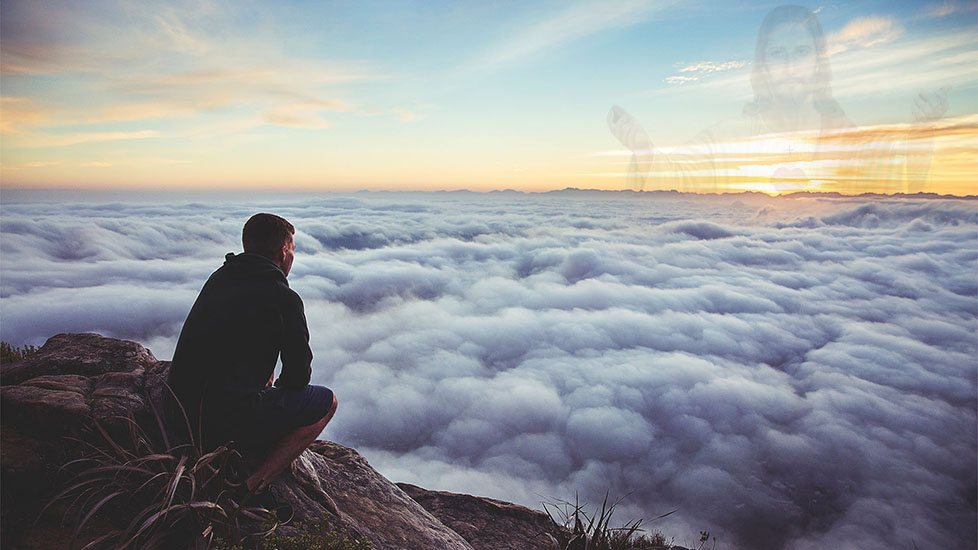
419,95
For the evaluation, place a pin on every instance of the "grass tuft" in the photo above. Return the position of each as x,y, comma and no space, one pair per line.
583,531
173,495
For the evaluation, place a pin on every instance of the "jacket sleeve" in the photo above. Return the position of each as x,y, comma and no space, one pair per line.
296,354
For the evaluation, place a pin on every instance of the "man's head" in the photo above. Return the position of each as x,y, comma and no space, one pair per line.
270,236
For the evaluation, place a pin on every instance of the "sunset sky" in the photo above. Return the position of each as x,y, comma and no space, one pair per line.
462,95
795,372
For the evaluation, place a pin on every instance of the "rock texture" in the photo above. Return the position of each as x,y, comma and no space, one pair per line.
77,379
334,481
486,523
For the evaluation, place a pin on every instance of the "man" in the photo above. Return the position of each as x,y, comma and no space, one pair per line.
245,317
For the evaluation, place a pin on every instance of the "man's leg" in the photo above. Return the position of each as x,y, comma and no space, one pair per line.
287,450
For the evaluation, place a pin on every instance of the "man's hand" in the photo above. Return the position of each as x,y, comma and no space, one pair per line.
271,380
930,106
629,132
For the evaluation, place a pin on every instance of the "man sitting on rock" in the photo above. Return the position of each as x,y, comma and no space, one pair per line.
245,317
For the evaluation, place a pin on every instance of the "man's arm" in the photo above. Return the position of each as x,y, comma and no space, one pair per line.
296,355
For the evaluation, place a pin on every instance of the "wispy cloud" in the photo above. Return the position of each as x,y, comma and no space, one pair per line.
162,65
946,8
692,72
907,64
61,140
706,67
297,116
864,32
182,39
20,112
405,114
572,23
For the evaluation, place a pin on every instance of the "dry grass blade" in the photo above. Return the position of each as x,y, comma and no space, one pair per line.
160,457
667,514
150,523
172,396
65,493
146,484
95,449
171,489
98,541
120,452
116,470
92,512
205,460
70,464
158,417
208,505
138,519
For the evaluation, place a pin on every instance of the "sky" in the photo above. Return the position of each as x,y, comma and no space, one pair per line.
342,96
794,372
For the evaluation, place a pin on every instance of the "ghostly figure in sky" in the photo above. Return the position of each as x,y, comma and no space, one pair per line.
794,135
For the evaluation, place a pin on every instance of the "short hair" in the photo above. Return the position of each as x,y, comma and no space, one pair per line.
822,94
266,234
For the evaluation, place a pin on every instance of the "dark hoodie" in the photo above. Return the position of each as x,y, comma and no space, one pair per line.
244,317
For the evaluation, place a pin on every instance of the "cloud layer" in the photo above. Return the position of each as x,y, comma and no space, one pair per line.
790,373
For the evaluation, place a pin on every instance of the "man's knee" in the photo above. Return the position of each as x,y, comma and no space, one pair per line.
329,414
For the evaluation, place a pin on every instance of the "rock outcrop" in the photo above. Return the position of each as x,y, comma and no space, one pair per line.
486,523
75,380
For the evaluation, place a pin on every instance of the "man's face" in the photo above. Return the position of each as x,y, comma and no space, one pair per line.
288,255
791,62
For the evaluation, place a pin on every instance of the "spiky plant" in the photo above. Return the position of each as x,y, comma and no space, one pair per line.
705,538
583,531
174,495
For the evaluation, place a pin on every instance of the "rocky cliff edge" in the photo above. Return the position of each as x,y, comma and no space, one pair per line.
51,399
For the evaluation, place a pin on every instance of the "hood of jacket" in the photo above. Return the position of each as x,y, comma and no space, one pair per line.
251,266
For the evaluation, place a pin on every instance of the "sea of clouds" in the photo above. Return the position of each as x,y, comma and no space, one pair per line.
793,373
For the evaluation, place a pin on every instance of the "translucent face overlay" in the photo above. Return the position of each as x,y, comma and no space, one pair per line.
790,62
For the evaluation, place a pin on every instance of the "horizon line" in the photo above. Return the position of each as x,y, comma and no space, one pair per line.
295,191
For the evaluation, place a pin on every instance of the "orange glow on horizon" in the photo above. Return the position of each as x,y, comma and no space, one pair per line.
939,157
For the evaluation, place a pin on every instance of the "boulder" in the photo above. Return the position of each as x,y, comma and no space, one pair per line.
86,355
486,523
335,481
